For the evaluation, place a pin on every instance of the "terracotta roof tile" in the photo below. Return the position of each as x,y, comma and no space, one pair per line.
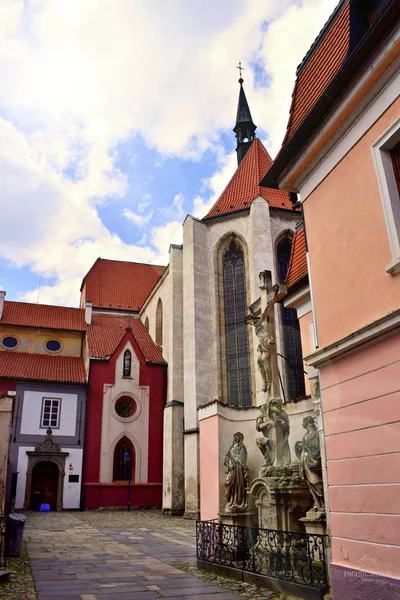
41,367
319,68
297,269
120,285
43,315
244,185
106,332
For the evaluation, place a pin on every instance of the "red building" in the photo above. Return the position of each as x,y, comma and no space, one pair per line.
127,389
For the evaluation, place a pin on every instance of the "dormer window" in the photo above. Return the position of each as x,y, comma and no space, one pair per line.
127,364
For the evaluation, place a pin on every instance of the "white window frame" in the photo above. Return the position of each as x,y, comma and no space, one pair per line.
388,189
55,401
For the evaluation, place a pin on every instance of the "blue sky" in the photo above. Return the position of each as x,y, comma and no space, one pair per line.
116,123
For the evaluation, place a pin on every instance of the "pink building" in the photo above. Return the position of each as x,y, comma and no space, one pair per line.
341,154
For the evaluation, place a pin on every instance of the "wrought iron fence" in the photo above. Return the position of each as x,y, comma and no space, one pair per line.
284,555
3,522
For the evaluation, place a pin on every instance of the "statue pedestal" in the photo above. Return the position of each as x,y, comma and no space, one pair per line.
237,538
244,518
315,522
281,498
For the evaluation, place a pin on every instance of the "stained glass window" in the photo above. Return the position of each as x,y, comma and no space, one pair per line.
291,333
237,344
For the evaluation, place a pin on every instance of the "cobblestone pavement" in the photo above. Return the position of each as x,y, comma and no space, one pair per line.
116,555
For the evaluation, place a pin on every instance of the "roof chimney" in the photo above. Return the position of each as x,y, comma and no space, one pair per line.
88,312
2,296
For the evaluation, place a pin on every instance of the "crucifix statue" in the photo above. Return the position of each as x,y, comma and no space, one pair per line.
273,421
264,326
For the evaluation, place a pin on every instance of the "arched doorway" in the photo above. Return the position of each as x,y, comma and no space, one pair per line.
44,485
124,460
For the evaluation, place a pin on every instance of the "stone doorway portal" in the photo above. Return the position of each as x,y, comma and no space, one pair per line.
45,475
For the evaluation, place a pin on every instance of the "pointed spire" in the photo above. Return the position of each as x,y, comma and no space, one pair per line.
244,128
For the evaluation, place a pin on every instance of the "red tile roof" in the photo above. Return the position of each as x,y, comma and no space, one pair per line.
319,68
43,315
120,285
244,185
297,269
106,332
41,367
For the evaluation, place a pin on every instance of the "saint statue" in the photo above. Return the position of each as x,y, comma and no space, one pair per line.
236,474
273,423
308,452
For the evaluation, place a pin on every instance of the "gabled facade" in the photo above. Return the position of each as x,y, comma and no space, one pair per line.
341,154
43,367
124,433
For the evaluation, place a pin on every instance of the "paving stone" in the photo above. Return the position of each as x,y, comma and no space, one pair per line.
116,555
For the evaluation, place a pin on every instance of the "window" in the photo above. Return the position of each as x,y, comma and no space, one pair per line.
10,342
159,323
124,460
53,346
51,410
293,356
236,330
386,153
146,323
125,407
127,364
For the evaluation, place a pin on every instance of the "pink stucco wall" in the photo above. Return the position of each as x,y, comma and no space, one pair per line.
209,468
348,242
361,402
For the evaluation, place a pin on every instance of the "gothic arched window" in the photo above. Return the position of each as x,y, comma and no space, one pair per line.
124,461
236,332
146,323
127,364
291,332
159,323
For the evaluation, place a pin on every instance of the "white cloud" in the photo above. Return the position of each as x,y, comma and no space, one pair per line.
78,80
138,220
162,237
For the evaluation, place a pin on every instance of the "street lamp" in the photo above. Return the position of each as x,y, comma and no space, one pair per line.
127,463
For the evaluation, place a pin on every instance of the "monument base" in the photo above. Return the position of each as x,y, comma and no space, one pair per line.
282,499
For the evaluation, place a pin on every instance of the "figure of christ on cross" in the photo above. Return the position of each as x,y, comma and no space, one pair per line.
264,326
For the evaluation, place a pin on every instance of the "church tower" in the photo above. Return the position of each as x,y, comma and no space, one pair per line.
244,128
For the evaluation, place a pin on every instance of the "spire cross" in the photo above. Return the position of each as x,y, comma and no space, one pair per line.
240,69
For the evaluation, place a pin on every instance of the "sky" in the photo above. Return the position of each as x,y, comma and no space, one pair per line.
116,122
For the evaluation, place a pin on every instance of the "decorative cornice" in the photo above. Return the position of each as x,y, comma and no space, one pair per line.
369,334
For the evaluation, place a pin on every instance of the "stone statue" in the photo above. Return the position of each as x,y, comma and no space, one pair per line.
266,341
236,474
273,423
308,452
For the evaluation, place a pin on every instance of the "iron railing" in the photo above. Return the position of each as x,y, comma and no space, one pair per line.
3,523
283,555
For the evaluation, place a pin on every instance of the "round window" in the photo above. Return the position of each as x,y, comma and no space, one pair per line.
53,345
125,407
9,341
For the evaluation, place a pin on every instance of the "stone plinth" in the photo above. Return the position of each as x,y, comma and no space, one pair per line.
243,518
281,498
